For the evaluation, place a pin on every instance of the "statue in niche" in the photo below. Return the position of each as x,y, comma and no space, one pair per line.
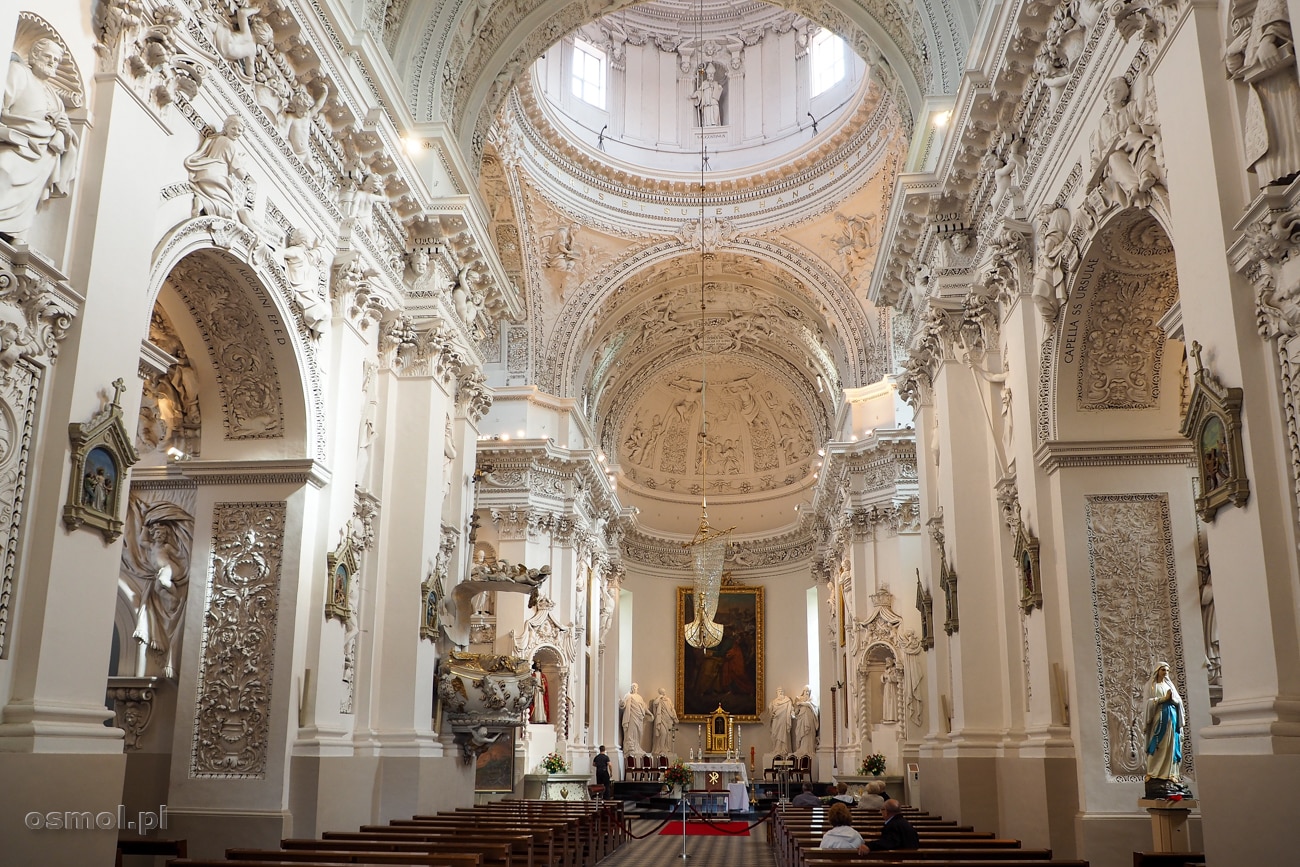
707,98
781,721
213,170
1262,57
1126,143
303,258
178,405
890,681
1049,287
1209,622
1164,736
806,723
157,556
664,715
38,147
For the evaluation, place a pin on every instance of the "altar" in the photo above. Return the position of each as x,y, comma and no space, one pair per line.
728,772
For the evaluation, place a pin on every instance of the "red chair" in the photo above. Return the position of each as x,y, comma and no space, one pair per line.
629,768
647,767
805,768
663,766
772,772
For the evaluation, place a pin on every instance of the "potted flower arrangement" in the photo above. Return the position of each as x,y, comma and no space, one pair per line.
679,777
554,763
873,764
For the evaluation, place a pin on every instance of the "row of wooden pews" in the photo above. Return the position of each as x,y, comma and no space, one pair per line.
797,832
505,833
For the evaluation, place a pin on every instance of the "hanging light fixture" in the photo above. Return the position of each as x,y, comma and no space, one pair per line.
709,547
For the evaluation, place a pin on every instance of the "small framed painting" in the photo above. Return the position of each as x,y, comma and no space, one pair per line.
494,769
102,451
343,564
1213,424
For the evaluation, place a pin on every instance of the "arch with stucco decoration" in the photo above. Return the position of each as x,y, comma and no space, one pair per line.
269,378
1109,352
460,64
864,354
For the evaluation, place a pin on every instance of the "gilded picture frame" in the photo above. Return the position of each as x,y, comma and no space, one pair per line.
494,768
731,674
102,452
1213,425
342,565
1027,571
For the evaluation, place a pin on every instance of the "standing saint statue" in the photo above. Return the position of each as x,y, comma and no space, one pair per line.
157,557
1165,720
664,715
890,680
781,711
541,697
806,723
1262,56
38,148
634,714
213,170
707,98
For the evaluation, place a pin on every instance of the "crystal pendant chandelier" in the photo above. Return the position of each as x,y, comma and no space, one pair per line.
709,547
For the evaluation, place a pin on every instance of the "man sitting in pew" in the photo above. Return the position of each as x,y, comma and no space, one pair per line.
806,798
841,834
896,833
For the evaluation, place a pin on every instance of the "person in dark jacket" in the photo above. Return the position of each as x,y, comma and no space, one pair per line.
806,798
896,834
602,771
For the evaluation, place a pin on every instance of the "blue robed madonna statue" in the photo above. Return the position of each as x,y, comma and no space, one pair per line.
1165,721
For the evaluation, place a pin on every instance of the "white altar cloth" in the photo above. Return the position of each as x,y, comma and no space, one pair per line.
727,770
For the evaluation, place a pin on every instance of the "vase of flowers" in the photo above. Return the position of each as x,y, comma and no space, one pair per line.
678,776
873,764
554,763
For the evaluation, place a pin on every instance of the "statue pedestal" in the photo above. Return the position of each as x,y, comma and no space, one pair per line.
1169,823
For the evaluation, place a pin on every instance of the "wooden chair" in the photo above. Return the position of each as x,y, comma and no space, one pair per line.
772,772
647,767
629,768
804,770
663,766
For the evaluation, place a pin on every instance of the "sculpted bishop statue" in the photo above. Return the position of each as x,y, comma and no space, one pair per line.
38,148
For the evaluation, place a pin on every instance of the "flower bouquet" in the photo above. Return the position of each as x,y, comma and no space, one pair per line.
678,775
873,764
554,763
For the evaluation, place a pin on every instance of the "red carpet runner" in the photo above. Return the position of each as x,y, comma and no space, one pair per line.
703,829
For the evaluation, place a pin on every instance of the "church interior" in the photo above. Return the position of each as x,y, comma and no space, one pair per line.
481,386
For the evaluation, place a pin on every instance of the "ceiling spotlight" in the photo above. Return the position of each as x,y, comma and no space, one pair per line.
941,119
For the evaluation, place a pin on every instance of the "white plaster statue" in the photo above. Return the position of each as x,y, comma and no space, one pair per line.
806,723
707,98
177,394
1049,286
563,254
1262,57
1127,142
1165,720
213,170
159,558
665,722
781,721
462,293
541,711
38,148
297,119
237,40
303,258
607,602
1009,170
634,714
890,681
1209,621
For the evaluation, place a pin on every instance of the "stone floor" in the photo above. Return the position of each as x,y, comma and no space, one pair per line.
722,851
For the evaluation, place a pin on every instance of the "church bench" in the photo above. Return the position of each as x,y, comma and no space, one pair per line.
963,862
496,852
592,824
839,856
155,846
327,854
942,846
451,851
217,862
536,845
1167,859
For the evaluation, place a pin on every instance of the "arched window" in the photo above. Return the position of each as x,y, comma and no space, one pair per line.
588,73
826,61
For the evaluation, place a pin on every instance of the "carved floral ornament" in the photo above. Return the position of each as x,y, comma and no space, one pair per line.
37,307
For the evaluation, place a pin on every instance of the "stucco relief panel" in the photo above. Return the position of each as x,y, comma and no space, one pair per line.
1135,614
232,717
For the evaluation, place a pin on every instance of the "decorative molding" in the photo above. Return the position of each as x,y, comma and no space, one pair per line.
1066,454
291,471
232,707
20,390
133,701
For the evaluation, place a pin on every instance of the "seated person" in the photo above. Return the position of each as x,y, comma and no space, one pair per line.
841,794
896,833
841,834
806,798
875,798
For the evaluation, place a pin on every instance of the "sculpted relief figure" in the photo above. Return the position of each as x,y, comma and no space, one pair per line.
303,258
707,98
214,168
157,557
1049,287
1262,57
1126,147
38,148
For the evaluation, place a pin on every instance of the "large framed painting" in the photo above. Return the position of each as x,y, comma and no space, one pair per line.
731,674
494,769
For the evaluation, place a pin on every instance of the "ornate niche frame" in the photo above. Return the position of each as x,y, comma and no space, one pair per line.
925,605
1027,571
102,451
948,582
1213,424
343,565
430,592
